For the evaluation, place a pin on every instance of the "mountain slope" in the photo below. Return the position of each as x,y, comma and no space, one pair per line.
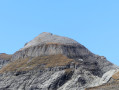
4,59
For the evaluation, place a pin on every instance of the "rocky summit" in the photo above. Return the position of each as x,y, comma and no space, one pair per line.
52,62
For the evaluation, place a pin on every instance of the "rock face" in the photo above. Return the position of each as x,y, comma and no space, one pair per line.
49,44
109,81
4,59
52,62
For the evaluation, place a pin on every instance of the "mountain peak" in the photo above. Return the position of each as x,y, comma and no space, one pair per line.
47,37
46,33
55,63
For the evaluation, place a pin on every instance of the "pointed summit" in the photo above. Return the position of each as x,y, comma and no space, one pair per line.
46,33
45,38
49,44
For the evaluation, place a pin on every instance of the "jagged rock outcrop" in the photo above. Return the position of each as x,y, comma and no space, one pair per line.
109,81
52,62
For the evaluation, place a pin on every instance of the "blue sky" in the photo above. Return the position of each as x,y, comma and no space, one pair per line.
93,23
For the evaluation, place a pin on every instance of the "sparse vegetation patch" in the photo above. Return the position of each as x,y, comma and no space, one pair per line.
31,63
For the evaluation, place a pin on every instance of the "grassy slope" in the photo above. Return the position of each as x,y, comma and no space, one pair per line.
31,63
5,56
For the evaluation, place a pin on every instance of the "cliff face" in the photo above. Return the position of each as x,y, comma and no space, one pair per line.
72,51
49,44
51,62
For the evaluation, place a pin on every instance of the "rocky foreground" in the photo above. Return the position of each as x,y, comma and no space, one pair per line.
52,62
